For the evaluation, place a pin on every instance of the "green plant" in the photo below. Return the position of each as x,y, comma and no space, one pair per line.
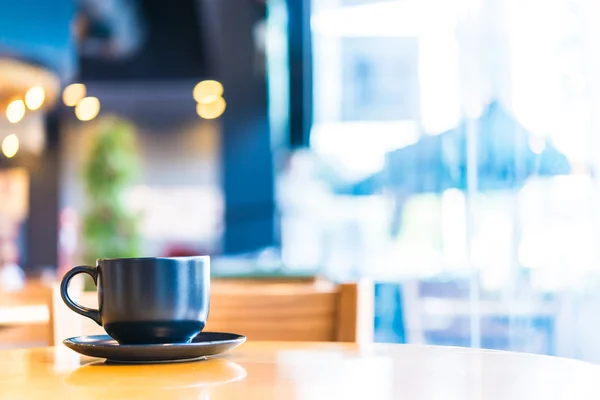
110,229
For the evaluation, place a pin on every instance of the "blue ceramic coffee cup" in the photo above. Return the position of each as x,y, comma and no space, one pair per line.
147,300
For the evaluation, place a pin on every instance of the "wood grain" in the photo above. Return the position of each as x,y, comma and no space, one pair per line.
300,371
318,311
355,312
24,331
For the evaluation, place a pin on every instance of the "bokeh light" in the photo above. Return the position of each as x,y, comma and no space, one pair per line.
211,110
87,109
211,98
34,98
537,144
15,111
209,88
73,94
10,145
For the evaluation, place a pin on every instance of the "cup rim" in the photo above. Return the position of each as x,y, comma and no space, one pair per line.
187,258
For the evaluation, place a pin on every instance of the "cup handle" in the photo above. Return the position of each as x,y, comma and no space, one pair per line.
79,309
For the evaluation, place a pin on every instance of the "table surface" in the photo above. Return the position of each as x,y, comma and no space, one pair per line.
269,370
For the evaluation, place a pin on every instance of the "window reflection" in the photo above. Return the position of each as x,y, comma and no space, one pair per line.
462,142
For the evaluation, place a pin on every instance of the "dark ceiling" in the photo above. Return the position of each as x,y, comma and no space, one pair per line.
171,46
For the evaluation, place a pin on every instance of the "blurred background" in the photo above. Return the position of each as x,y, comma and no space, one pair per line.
445,149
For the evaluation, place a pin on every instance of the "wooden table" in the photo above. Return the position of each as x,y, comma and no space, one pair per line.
25,316
268,370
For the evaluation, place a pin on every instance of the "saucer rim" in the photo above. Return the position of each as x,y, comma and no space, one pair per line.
239,339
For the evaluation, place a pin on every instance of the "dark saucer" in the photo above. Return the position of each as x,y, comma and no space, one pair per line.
204,345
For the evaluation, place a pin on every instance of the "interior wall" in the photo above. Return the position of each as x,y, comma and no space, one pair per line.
37,232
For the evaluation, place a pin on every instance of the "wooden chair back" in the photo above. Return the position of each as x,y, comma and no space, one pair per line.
25,318
319,311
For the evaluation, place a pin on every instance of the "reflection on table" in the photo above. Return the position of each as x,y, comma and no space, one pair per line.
311,371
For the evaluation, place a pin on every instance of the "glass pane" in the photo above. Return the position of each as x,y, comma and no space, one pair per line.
453,143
